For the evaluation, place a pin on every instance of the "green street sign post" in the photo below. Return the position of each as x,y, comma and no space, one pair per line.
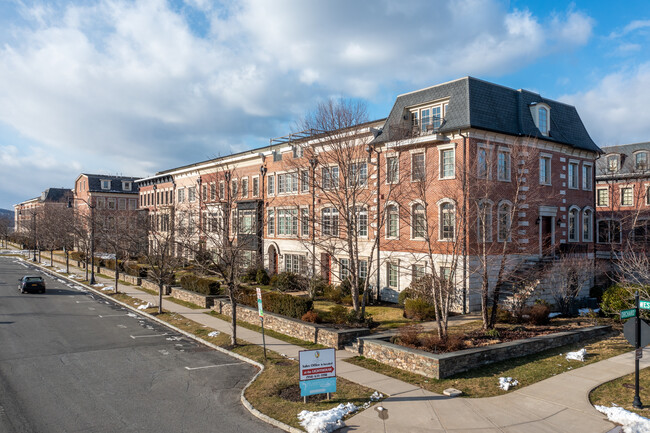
644,305
260,311
626,314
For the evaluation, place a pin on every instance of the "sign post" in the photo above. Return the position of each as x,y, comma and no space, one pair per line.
260,311
317,372
637,325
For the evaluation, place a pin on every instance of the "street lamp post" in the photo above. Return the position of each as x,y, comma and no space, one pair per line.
20,212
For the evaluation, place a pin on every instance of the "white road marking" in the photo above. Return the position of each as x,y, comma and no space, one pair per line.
148,336
92,308
113,315
82,302
122,326
212,366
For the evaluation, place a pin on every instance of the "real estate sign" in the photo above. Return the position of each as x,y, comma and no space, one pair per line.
317,371
260,310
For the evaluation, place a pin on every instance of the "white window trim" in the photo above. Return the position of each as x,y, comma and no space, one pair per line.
576,163
582,218
646,190
508,151
396,264
275,186
488,160
550,168
101,184
608,196
416,152
647,158
387,228
591,176
439,204
534,111
411,204
620,228
620,195
442,148
490,204
244,193
577,222
443,104
126,183
396,156
511,213
618,162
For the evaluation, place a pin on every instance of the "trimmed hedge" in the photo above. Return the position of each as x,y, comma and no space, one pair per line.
279,303
78,256
204,286
134,269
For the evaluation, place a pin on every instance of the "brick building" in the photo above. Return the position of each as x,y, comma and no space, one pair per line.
456,176
28,212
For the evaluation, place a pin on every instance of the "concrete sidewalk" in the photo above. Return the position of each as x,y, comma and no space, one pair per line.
557,404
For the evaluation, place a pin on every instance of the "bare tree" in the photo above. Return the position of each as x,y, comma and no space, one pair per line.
5,224
567,277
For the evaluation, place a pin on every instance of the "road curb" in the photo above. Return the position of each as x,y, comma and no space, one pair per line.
245,402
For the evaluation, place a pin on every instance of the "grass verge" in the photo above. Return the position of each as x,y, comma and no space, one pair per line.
620,392
183,303
274,391
484,381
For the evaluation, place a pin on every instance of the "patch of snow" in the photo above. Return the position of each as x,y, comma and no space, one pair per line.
214,333
376,396
632,423
551,315
145,306
586,311
325,421
505,383
577,356
98,285
105,289
132,315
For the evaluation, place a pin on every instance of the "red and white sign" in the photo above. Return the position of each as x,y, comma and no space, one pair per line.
317,364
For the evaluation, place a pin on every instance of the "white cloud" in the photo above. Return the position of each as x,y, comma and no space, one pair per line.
614,110
137,87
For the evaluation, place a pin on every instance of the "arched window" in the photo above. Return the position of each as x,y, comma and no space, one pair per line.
392,223
505,221
418,221
542,117
573,225
447,221
587,225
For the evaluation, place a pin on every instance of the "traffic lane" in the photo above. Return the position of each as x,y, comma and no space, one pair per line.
130,375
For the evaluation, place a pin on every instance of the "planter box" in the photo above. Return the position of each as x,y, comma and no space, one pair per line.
336,338
440,366
205,301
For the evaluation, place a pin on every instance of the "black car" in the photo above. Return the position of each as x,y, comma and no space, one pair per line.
32,284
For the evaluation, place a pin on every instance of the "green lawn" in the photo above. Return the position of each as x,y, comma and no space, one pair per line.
388,316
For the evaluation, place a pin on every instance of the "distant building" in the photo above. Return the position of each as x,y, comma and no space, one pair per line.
26,212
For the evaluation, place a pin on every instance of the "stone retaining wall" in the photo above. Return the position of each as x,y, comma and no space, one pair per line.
440,366
205,301
311,332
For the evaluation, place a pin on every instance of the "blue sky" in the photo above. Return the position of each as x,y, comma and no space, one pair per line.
134,87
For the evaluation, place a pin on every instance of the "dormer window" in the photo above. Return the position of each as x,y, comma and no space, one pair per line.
429,117
612,163
106,184
126,186
541,116
641,161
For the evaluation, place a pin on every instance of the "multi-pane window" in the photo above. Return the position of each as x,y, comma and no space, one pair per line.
429,117
362,221
445,273
247,222
573,175
304,221
641,231
392,271
271,185
294,263
191,194
393,221
297,151
392,169
106,184
330,177
363,269
503,165
586,177
418,222
344,269
573,225
288,222
204,191
612,163
482,163
587,225
609,231
418,271
542,117
222,190
447,163
417,167
304,181
602,197
121,204
641,161
330,221
213,192
484,230
627,196
447,221
256,187
110,203
545,170
244,187
504,222
358,174
270,222
234,188
181,195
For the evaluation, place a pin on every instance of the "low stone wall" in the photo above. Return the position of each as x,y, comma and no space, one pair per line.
440,366
205,301
311,332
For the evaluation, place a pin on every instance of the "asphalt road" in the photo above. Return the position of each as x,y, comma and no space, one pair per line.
71,361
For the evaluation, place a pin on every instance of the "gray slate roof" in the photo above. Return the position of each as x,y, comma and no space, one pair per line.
628,163
56,194
475,103
95,183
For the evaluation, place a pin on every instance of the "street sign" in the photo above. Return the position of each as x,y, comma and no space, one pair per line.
638,353
644,305
317,364
629,332
626,314
260,310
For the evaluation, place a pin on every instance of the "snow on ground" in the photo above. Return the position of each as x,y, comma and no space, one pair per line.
327,421
586,311
577,356
98,285
106,289
551,315
145,306
132,315
632,423
505,383
214,333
